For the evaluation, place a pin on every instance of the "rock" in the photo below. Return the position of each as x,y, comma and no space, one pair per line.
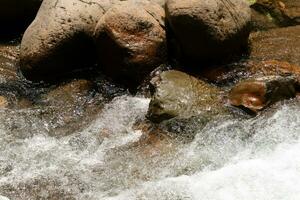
268,14
59,40
282,44
9,54
257,94
209,30
176,94
291,9
131,40
262,21
273,68
16,15
70,93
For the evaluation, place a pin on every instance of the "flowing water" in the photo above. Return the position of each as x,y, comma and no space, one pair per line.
91,148
228,159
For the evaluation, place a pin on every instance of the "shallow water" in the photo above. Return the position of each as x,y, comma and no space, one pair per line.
91,149
229,159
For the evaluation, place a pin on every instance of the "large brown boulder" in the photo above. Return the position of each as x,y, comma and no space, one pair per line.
208,30
15,15
282,44
131,40
177,94
60,38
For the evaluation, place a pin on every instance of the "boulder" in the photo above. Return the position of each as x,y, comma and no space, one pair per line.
257,94
59,40
16,15
268,14
177,94
131,40
208,30
281,44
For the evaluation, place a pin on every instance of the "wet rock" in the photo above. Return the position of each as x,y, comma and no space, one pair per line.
15,15
8,62
281,44
69,93
209,30
131,40
80,103
273,68
268,14
59,40
176,94
259,93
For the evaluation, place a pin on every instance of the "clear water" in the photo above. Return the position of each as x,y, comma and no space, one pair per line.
107,159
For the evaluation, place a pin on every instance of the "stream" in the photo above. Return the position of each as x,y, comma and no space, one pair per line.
228,159
85,145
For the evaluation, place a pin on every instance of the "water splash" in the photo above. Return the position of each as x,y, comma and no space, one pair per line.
228,159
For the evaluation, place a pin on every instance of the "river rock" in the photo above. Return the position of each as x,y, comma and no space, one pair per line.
131,40
15,15
281,44
209,30
274,13
9,54
60,38
177,94
273,68
257,94
70,93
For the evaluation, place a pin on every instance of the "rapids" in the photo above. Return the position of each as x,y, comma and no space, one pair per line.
230,158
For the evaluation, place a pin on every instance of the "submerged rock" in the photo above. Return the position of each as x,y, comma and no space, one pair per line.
209,30
60,38
68,94
176,94
131,40
257,94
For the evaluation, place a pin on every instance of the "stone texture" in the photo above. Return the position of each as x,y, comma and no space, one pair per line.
177,94
208,30
131,40
60,38
282,44
257,94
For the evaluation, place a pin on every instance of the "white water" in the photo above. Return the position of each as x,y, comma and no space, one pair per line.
228,159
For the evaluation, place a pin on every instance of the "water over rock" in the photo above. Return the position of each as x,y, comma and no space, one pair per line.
208,30
177,94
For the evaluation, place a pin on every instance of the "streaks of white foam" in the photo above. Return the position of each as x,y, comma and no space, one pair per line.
267,167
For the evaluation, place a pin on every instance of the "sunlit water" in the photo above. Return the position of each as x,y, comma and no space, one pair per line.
229,159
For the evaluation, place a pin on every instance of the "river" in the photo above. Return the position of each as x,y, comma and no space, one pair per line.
230,158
